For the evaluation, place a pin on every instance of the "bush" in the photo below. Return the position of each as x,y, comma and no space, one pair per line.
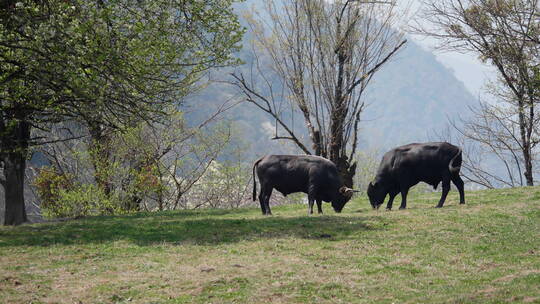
61,196
50,184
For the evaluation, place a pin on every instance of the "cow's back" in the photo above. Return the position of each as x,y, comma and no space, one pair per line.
419,162
294,173
435,155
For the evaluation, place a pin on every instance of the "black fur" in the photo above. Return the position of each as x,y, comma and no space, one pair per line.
405,166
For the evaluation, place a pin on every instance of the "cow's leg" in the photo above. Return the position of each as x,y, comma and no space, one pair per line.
391,200
267,202
311,198
310,203
262,196
445,189
319,206
404,192
456,179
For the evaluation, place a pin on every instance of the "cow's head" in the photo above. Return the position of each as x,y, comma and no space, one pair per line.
376,194
342,198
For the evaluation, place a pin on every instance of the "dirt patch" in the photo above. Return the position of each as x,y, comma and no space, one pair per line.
511,277
488,266
488,292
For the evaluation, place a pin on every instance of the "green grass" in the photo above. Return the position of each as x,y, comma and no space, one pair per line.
487,251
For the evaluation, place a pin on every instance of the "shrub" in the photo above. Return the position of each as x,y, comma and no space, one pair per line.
61,196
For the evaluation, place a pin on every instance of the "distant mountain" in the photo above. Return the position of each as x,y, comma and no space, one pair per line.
410,98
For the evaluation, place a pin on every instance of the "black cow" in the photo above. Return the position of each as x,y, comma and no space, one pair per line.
314,175
405,166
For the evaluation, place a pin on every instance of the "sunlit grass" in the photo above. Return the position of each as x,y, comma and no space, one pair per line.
486,251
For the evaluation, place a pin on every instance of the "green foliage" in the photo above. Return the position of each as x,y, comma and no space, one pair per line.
62,196
84,200
83,57
107,63
49,185
146,167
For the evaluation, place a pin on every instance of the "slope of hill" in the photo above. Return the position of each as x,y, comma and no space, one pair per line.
487,251
412,98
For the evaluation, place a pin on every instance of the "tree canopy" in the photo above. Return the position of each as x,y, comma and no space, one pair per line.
105,61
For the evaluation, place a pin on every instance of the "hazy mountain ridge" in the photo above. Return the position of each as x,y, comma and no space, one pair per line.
411,97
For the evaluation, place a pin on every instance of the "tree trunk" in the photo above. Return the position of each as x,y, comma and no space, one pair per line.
14,140
346,171
528,167
338,116
14,167
525,142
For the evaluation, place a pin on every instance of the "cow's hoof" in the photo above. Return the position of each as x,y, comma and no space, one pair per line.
462,203
402,208
388,209
438,206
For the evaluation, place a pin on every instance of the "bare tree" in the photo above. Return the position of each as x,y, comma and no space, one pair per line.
152,166
324,54
506,35
190,153
487,163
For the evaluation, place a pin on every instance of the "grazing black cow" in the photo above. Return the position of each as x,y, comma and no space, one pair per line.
314,175
405,166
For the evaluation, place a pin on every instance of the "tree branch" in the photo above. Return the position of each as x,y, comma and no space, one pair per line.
375,68
248,91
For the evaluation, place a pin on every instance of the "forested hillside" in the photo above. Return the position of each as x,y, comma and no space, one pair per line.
410,98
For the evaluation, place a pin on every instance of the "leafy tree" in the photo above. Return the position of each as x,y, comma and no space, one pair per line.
106,63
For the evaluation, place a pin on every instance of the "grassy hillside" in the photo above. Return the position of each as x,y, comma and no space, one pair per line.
484,252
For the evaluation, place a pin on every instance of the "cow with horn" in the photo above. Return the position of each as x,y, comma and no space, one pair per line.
314,175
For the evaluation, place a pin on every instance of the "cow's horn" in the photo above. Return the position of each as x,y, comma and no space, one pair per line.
346,191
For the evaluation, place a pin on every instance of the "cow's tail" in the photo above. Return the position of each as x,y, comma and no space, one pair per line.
254,181
455,163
